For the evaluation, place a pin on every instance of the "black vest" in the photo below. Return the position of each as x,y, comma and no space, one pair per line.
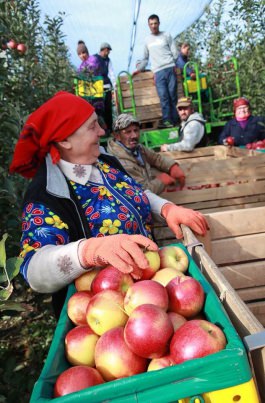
204,140
104,68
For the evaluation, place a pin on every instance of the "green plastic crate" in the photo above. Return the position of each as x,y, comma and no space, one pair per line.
221,370
155,138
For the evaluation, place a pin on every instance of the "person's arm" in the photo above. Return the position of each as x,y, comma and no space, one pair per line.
111,74
173,47
177,215
193,133
226,132
141,64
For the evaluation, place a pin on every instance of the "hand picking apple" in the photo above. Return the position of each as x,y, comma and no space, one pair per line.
125,252
176,215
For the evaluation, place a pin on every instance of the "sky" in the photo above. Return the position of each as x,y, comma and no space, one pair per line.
121,23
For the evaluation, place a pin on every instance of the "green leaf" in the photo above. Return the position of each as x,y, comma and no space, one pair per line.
12,267
6,292
3,251
11,306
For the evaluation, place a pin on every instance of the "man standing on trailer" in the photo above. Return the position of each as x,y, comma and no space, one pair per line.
162,51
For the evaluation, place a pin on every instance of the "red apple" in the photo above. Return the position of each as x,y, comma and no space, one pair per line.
83,283
21,48
80,343
249,146
11,44
76,378
230,140
176,319
77,306
175,257
196,338
111,278
106,311
259,145
159,363
186,296
154,264
114,359
148,331
145,292
164,276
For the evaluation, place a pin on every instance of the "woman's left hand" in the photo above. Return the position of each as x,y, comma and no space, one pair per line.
176,215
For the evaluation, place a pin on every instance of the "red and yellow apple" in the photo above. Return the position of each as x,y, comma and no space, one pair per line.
196,338
76,378
186,296
154,264
114,359
175,257
77,306
145,292
106,311
80,343
111,278
164,276
148,331
83,282
159,363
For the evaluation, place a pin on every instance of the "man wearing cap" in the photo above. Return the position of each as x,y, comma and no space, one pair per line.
107,72
192,128
81,209
244,128
149,168
162,51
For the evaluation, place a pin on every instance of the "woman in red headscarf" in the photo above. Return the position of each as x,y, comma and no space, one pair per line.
81,208
243,128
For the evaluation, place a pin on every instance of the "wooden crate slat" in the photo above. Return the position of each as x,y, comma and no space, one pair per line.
210,206
145,92
258,309
250,294
245,275
141,101
234,250
219,193
228,224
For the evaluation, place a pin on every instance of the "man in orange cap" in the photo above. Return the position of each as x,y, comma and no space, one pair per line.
81,208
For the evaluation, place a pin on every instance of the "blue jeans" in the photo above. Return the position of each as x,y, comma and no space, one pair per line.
166,86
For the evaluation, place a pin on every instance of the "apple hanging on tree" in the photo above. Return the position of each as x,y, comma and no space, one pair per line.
21,48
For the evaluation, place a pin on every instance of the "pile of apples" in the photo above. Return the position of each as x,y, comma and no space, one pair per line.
125,327
257,145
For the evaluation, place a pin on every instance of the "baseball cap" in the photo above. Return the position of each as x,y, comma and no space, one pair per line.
105,45
184,101
123,121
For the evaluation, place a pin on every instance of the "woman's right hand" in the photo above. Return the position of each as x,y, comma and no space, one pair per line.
125,252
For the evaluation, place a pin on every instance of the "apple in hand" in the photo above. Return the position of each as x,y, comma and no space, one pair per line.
186,296
77,306
159,363
76,378
175,257
80,343
176,319
154,264
148,331
111,278
196,338
230,140
106,311
164,276
114,359
145,292
83,282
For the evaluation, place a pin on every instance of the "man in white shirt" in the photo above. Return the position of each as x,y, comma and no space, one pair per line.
192,128
162,51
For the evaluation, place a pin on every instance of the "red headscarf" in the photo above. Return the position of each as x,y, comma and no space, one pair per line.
239,102
54,121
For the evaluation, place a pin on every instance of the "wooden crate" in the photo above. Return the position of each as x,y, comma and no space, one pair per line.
146,99
220,178
232,258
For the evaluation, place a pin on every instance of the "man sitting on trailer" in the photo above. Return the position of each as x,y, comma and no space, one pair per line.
192,128
154,171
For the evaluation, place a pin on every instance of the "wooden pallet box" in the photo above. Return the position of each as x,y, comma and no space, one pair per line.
232,257
220,178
